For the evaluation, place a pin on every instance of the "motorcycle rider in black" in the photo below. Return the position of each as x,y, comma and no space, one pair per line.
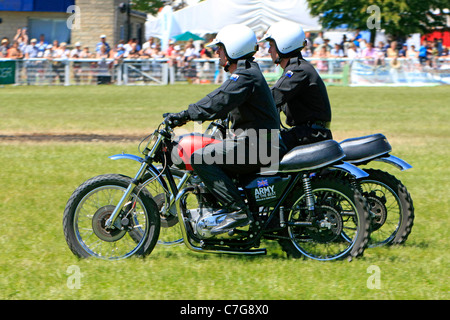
300,92
246,99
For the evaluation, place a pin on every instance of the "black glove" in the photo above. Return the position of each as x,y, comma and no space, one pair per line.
176,119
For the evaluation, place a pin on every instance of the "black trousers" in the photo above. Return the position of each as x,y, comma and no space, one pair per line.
304,134
216,163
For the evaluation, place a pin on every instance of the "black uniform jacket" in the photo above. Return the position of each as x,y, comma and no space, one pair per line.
301,94
245,98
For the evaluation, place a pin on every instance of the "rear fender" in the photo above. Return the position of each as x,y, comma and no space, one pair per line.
396,162
351,169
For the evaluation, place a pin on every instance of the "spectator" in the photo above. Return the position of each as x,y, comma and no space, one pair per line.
205,53
170,48
120,53
337,51
14,51
22,38
412,53
148,44
424,52
322,65
31,50
62,52
380,54
318,41
403,51
85,54
49,52
156,52
353,51
41,45
368,52
4,47
102,43
76,52
190,52
392,51
134,52
103,65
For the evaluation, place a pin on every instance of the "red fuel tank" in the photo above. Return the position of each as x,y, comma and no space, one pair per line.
188,144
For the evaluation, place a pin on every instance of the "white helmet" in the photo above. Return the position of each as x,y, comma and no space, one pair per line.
288,36
239,41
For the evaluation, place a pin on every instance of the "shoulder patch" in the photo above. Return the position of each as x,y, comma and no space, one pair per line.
289,74
234,77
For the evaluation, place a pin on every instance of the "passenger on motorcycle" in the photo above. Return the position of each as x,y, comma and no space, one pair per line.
244,98
300,92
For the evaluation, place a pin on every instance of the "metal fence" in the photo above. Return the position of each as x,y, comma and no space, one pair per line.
341,71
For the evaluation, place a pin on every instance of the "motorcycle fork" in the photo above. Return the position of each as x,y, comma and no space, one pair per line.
134,182
126,196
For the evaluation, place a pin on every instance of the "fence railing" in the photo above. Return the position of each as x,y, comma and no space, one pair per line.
334,71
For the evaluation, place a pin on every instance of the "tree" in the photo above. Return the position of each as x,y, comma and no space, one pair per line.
398,18
147,6
153,6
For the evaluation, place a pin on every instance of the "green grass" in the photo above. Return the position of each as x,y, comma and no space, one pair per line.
38,178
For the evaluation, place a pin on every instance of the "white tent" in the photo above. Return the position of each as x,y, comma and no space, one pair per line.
212,15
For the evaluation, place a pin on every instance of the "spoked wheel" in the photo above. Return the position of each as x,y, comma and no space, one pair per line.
338,227
391,208
135,232
170,233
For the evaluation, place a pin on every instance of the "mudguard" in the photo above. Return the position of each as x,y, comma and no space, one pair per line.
396,162
351,169
127,156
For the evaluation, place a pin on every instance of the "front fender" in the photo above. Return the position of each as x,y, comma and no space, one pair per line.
127,156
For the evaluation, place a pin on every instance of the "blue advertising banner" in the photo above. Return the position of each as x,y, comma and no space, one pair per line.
36,5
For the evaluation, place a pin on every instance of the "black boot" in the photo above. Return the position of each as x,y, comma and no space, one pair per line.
238,218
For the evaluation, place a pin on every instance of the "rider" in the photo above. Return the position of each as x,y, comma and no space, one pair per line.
244,98
300,92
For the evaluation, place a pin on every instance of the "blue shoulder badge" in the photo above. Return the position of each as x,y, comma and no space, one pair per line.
234,77
289,74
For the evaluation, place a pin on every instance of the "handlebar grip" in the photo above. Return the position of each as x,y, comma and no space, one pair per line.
165,114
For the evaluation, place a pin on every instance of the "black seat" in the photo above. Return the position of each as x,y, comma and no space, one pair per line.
311,156
365,148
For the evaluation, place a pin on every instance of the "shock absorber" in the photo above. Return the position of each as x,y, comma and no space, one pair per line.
308,192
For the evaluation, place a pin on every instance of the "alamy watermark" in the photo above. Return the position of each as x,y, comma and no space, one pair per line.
74,21
374,280
374,21
249,146
74,279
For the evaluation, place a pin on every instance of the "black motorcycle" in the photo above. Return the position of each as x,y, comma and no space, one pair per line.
114,216
391,205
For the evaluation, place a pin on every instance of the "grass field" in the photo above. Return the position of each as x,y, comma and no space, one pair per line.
38,178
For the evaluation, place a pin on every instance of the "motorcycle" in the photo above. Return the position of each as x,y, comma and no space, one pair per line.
114,216
391,204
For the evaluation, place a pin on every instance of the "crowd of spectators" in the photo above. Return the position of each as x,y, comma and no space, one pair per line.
320,47
359,48
180,54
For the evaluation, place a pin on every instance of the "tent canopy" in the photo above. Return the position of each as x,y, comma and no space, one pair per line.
187,36
212,15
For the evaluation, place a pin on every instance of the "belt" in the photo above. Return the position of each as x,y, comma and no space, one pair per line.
319,124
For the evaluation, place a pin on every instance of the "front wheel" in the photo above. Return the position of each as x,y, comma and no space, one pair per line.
90,206
338,228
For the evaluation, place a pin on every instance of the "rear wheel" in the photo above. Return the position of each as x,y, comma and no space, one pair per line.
391,207
338,228
92,204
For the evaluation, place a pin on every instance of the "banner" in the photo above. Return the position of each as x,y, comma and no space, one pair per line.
7,72
401,72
